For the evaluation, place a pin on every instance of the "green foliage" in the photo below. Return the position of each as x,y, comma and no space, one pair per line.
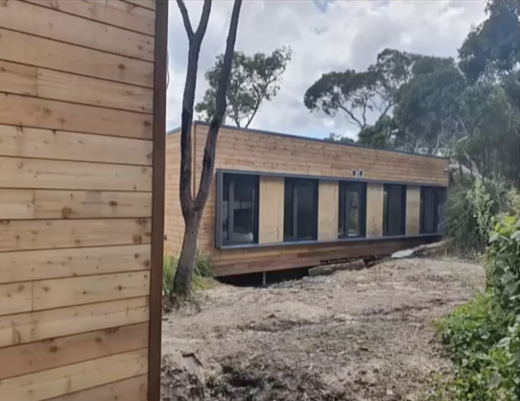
254,79
483,335
201,276
470,212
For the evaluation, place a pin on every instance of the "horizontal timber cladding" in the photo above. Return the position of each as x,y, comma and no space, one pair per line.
36,51
275,156
47,23
37,143
42,113
82,115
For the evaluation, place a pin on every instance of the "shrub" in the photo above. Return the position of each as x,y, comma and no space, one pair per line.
201,276
483,335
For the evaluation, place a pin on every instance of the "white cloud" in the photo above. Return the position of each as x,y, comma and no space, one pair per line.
347,34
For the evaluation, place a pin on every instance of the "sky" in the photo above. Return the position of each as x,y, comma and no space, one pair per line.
325,35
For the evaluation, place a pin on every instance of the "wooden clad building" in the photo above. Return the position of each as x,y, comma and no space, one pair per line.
280,201
82,119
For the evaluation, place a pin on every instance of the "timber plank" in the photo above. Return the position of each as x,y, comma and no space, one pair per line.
91,204
16,204
43,174
134,389
25,235
59,145
40,265
33,112
150,4
328,210
413,210
73,378
28,49
48,354
270,213
375,195
35,326
47,23
15,298
90,289
15,78
116,13
75,88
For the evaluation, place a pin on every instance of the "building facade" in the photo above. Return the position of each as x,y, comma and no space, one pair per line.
280,201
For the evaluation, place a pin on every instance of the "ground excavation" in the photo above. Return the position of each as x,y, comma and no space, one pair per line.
355,335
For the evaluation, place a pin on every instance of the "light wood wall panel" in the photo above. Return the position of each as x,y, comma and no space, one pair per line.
413,210
35,112
36,326
20,235
37,356
71,378
82,115
48,264
270,213
375,202
328,210
60,145
117,13
134,389
45,22
36,51
55,174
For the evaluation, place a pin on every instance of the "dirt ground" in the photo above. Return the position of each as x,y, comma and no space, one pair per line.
360,335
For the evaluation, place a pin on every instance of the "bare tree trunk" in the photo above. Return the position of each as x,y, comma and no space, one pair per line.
192,209
184,276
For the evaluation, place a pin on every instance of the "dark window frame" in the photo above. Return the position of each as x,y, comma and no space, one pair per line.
220,239
439,200
386,214
293,182
343,188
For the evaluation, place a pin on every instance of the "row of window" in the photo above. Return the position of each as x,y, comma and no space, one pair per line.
239,213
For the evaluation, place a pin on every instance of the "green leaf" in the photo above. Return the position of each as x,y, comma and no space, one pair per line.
495,381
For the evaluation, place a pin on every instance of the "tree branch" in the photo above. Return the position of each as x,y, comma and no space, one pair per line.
204,18
185,18
351,115
208,162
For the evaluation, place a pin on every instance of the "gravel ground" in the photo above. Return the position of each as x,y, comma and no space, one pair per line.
360,335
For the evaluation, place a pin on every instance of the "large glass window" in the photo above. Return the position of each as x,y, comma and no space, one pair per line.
394,210
239,209
352,209
300,209
430,210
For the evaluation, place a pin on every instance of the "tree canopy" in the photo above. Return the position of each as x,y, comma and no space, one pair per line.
467,108
254,79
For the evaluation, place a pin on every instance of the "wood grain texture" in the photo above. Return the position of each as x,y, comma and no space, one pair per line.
90,289
25,235
118,13
16,78
76,377
56,352
16,204
133,389
59,145
270,213
150,4
37,326
265,260
413,210
33,112
91,204
40,265
375,194
35,173
44,22
15,298
97,92
328,209
40,52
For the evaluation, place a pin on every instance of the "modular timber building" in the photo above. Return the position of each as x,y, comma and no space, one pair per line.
281,201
